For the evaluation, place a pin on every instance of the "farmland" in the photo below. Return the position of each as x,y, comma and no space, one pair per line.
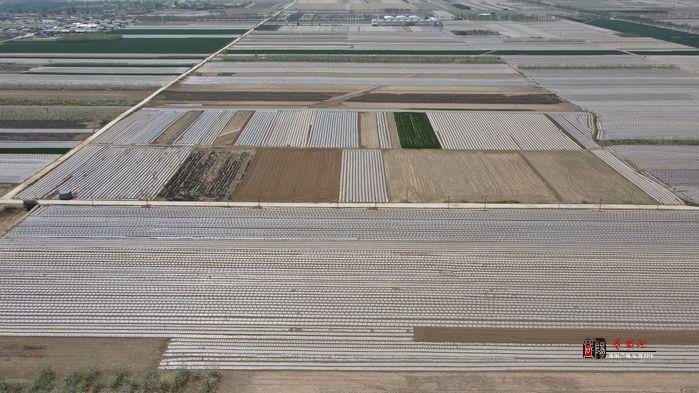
326,196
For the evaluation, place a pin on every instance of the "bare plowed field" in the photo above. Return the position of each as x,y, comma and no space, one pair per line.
460,176
231,131
189,96
292,175
368,130
430,98
177,128
580,177
208,174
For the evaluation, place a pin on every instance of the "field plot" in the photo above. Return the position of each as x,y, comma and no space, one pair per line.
387,127
258,127
580,177
498,131
231,131
335,129
451,176
208,174
111,172
369,130
292,175
676,166
631,103
578,125
142,127
123,45
132,270
362,177
171,133
415,131
205,129
17,168
290,129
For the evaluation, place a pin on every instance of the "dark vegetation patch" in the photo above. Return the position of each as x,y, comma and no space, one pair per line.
461,6
34,150
175,95
267,27
415,131
208,174
689,142
640,30
89,37
666,52
122,45
545,99
92,379
117,65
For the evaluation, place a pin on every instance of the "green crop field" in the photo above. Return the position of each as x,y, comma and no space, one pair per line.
666,52
123,45
415,131
639,30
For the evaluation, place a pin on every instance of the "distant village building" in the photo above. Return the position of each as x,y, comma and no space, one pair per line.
402,20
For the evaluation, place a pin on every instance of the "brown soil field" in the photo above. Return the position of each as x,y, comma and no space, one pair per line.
368,130
433,98
462,176
177,128
393,131
10,215
234,96
21,357
549,336
208,175
292,175
232,129
455,382
35,136
563,107
6,187
575,177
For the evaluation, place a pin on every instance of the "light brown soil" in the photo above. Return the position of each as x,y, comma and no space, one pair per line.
551,336
392,131
368,130
454,382
208,175
292,175
462,176
232,129
10,215
21,357
581,177
177,128
6,187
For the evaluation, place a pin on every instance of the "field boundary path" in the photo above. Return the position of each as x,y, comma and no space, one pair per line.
134,108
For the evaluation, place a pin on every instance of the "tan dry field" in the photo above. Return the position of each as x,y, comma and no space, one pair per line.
393,131
10,215
232,129
177,128
368,130
6,187
297,96
455,382
292,175
462,176
581,177
21,357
